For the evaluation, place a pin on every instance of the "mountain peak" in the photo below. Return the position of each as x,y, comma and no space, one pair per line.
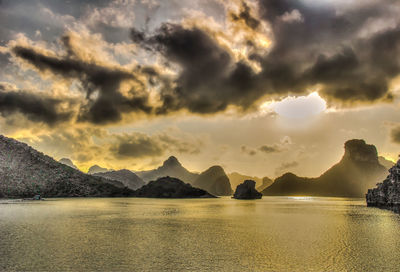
68,162
357,150
217,169
172,162
215,181
97,169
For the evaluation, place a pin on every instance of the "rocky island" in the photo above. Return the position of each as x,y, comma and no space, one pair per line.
386,195
168,187
247,190
26,172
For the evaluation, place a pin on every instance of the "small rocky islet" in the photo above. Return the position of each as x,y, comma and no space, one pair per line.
386,195
247,190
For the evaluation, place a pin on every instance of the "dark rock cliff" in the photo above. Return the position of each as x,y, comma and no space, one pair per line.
386,195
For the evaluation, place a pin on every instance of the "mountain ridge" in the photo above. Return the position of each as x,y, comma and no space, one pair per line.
127,177
25,172
170,167
357,171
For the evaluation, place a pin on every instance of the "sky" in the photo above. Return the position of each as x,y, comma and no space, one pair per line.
260,87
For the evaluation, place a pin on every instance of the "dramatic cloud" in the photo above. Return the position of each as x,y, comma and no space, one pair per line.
322,48
109,102
246,16
209,80
314,47
99,72
36,107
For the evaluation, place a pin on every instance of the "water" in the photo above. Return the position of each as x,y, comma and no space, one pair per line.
128,234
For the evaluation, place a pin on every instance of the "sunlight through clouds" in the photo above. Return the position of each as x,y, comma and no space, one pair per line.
300,107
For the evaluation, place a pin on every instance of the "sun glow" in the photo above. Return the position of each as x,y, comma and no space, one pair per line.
300,107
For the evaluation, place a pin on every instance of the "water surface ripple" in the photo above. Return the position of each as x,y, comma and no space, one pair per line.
129,234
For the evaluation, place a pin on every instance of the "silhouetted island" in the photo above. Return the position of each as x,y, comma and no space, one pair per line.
247,190
167,187
358,170
386,195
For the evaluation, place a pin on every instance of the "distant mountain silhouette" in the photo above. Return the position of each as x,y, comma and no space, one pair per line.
171,167
358,170
387,163
97,169
266,181
215,181
68,162
128,178
167,187
236,178
25,172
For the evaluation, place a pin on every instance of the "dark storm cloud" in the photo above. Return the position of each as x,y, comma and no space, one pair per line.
210,79
110,103
323,48
35,107
246,16
313,46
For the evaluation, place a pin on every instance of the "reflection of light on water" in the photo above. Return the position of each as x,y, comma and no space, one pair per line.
301,197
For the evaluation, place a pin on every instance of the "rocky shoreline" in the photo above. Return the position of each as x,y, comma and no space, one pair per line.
386,195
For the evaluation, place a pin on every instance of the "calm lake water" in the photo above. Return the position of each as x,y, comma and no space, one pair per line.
128,234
